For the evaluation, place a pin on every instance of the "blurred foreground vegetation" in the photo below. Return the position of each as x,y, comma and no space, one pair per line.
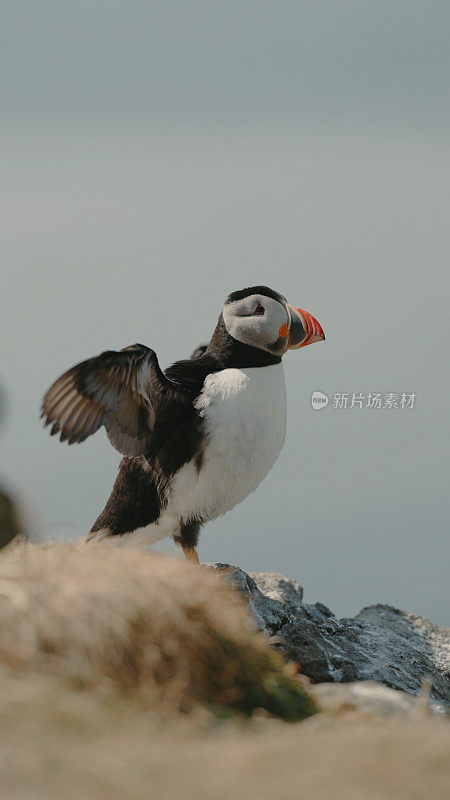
173,635
58,743
128,675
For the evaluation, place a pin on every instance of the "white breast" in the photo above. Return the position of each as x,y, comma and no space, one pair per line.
244,412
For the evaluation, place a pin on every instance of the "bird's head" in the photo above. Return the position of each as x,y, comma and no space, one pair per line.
261,318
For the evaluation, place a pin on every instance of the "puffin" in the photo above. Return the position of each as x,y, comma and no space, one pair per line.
197,438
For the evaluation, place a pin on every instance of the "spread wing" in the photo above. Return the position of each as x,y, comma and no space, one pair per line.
120,390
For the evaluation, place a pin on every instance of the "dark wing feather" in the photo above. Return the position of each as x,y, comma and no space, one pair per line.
119,390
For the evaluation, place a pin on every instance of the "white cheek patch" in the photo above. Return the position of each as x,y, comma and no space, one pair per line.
232,320
256,330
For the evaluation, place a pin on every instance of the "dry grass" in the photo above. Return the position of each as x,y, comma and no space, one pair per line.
126,620
96,641
57,743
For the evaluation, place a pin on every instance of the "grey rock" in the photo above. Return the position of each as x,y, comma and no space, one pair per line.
396,648
370,697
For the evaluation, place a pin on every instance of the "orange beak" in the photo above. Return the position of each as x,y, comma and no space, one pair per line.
303,329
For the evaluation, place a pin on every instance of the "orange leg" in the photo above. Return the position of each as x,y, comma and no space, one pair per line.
191,554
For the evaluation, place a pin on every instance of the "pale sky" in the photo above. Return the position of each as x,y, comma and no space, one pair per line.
157,156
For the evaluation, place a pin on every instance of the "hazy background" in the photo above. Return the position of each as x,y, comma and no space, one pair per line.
156,156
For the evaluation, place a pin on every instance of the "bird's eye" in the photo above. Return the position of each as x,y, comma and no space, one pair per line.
259,310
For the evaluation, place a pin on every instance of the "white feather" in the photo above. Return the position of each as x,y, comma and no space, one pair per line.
244,413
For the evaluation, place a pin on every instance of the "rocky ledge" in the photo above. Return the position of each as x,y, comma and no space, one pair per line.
381,643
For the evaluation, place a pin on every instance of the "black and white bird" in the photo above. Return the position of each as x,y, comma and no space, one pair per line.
197,438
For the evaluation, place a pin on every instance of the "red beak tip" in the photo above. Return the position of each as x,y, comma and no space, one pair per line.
313,328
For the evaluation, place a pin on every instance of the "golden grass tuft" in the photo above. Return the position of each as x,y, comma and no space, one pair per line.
127,620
